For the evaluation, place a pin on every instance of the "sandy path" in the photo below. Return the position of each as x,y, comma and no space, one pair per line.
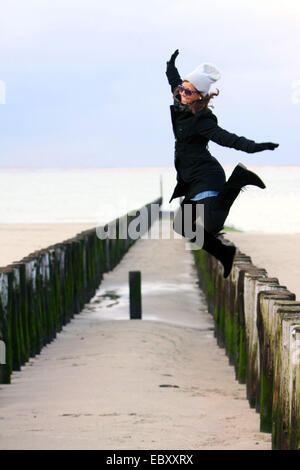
157,383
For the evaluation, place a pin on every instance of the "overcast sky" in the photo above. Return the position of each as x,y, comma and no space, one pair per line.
86,86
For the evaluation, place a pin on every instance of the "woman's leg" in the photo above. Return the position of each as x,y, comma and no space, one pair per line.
213,223
214,217
239,178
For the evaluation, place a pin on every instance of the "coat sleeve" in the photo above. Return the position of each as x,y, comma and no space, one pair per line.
209,128
173,76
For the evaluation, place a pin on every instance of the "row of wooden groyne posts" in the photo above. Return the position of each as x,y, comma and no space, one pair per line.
42,292
258,322
256,319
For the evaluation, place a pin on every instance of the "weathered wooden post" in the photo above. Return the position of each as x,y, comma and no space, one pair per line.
135,295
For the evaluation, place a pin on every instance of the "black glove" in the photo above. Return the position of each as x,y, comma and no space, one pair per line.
173,57
265,146
173,76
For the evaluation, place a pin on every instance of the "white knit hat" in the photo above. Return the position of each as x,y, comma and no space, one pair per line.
203,77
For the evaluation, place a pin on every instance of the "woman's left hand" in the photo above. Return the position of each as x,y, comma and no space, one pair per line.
265,146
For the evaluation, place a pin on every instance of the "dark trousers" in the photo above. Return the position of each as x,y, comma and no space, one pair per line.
214,216
216,210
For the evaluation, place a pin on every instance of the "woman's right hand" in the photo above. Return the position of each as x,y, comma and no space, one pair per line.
265,146
173,57
172,73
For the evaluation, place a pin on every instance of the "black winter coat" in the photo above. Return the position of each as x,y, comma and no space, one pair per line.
197,170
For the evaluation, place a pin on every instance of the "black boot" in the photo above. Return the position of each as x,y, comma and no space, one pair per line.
227,259
223,253
240,177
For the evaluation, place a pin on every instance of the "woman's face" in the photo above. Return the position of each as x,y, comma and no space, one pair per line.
185,99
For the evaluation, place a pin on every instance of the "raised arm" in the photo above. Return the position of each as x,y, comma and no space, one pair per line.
209,128
172,72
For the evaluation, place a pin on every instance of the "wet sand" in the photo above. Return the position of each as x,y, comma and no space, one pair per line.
107,382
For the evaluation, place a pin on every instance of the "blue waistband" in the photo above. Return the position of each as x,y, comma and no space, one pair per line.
204,194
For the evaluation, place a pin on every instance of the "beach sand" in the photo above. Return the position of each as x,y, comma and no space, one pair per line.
107,382
18,240
277,253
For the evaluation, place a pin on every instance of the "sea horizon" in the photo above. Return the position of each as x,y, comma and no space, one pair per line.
100,194
229,165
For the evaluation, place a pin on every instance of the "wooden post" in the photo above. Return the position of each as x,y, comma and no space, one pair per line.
135,296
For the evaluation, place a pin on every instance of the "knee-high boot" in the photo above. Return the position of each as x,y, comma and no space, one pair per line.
240,177
223,253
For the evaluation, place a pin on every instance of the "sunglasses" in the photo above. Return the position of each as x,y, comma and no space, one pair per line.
187,91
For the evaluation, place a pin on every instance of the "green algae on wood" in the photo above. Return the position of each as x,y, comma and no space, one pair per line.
43,291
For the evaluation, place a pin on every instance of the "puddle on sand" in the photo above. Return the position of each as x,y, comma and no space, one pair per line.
104,300
113,304
120,295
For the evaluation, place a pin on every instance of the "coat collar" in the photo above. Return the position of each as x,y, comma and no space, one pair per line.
178,106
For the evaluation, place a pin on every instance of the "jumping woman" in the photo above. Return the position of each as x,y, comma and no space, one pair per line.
200,177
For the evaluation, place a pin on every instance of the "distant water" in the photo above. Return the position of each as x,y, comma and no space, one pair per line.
99,195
